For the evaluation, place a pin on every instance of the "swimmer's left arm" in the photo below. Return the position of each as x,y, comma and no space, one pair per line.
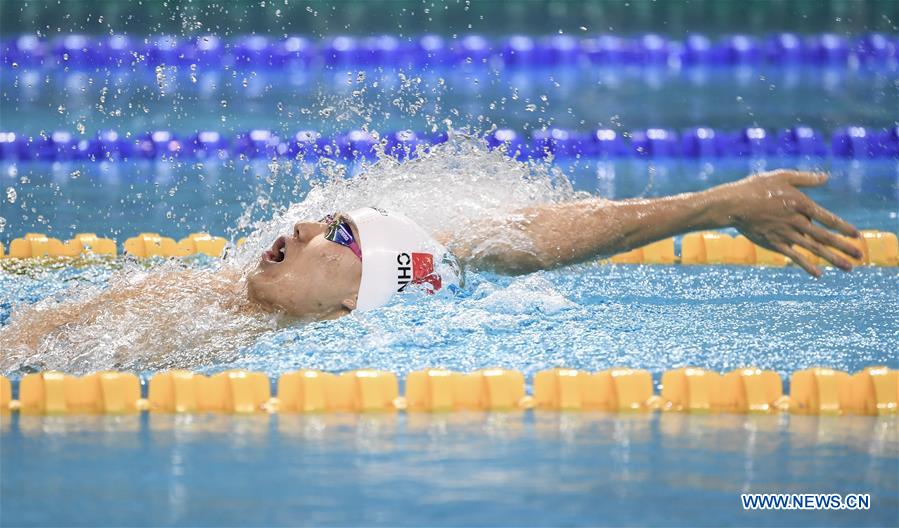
768,208
29,326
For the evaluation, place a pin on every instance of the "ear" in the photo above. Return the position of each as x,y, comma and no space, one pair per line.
349,303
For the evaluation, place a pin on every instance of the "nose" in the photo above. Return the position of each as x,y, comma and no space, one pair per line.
306,231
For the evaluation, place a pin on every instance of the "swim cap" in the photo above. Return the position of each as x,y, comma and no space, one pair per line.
396,252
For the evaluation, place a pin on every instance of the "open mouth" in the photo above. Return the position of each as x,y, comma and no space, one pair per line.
278,250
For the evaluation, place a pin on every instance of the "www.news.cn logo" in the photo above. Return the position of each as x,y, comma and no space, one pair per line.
805,501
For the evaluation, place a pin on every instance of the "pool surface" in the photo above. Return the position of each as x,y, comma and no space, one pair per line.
522,469
517,468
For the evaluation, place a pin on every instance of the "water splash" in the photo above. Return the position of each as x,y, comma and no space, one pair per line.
164,315
177,315
444,187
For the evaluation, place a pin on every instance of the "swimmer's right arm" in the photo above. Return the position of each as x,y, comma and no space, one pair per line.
768,208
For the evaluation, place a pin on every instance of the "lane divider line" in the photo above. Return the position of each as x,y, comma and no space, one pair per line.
815,391
879,248
847,142
650,50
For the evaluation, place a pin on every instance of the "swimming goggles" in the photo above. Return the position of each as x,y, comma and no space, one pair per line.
339,232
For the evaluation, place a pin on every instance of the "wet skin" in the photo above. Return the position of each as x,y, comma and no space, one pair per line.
309,277
306,275
314,278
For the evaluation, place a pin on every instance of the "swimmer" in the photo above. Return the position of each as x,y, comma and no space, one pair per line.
358,260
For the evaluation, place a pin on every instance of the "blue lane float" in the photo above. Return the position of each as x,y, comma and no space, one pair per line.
853,142
256,51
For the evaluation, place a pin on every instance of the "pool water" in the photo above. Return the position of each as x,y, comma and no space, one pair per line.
522,469
590,317
516,468
330,101
123,199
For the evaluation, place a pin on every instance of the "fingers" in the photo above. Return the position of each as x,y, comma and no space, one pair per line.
821,251
805,179
798,259
822,215
829,239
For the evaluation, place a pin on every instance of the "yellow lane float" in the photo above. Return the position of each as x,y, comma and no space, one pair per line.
34,245
98,393
691,390
814,391
879,248
5,395
151,245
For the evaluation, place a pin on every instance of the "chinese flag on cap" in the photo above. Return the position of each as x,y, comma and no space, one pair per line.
423,270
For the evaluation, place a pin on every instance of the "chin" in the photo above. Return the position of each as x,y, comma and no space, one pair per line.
255,293
309,317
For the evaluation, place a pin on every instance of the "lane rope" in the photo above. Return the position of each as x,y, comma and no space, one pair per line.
816,391
514,51
879,248
850,142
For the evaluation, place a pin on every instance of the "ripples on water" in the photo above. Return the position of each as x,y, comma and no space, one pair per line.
195,317
587,316
521,469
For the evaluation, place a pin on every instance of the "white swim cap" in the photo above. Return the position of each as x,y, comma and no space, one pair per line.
396,252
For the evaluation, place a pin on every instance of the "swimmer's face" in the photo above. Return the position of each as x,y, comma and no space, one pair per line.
307,275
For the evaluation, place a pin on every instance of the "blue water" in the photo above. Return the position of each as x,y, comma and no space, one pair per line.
579,98
484,469
122,199
519,469
532,469
589,317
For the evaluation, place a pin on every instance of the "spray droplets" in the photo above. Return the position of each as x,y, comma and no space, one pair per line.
160,79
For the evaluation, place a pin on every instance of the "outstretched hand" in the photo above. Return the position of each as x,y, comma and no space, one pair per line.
770,210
